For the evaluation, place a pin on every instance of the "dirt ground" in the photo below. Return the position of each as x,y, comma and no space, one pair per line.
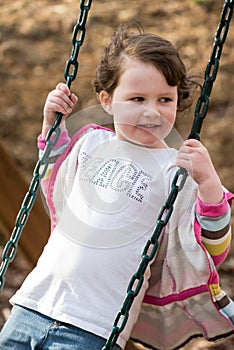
35,39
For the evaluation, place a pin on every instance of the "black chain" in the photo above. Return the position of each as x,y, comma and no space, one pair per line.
10,248
179,180
77,40
212,69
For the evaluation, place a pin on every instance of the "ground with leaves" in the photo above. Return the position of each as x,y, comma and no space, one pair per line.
35,44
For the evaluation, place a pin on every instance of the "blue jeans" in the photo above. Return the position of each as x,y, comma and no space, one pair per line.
28,330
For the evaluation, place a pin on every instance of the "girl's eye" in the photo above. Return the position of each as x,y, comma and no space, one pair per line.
165,99
137,99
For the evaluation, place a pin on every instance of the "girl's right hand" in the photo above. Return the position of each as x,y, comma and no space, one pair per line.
60,100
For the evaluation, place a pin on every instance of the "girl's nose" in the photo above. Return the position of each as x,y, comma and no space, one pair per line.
151,111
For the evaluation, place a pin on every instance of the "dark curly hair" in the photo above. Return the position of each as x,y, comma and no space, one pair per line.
147,48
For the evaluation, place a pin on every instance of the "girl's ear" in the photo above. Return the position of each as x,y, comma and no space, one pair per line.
106,102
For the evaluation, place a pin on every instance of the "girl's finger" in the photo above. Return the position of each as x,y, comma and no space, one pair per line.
192,143
74,98
56,104
57,96
185,149
63,87
64,93
184,156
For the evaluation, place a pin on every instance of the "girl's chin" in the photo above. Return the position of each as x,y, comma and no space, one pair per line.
141,137
153,143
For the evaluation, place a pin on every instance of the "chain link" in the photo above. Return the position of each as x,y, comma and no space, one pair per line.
10,248
179,180
77,40
211,69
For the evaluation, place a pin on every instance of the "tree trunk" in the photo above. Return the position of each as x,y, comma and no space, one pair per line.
13,188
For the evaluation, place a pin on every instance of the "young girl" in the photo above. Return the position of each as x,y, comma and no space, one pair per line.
104,190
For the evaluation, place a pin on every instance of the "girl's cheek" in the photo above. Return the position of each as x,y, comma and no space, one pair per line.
127,113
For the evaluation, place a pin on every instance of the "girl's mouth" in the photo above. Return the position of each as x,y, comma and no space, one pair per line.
148,126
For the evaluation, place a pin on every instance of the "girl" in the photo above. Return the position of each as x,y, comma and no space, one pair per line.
104,190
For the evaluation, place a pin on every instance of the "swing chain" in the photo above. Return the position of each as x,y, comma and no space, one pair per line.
10,248
78,32
211,69
178,181
147,256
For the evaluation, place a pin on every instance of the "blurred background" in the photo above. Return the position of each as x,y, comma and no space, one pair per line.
35,42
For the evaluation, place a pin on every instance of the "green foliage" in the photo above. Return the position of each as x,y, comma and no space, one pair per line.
207,4
202,2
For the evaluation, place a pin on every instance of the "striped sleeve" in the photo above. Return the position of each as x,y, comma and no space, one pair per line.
223,303
215,227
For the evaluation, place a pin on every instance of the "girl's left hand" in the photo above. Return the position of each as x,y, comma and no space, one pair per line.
195,158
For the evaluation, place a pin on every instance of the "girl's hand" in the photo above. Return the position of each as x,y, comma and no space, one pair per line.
195,158
60,100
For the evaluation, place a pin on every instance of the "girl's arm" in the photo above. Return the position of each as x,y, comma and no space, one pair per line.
213,203
214,221
63,101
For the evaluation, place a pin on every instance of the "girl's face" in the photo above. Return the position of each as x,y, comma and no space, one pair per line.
143,105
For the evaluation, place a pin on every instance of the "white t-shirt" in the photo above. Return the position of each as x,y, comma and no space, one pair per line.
105,219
